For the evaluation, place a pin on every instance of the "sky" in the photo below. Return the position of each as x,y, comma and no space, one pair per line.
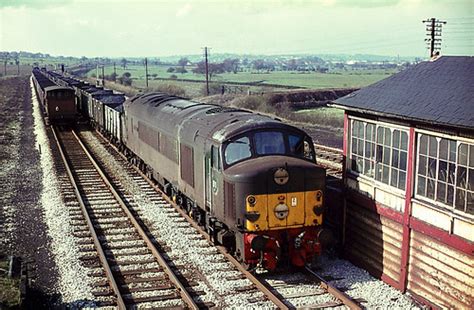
140,28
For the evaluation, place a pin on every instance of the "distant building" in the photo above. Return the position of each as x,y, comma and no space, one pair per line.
409,180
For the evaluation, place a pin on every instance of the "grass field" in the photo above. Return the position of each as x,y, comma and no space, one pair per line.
314,80
325,115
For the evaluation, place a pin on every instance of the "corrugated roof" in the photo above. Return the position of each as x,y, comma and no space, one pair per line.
436,92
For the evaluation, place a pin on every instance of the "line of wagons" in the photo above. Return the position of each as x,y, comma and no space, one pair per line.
67,100
250,180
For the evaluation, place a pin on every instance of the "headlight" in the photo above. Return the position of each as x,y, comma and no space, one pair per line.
251,200
281,176
281,211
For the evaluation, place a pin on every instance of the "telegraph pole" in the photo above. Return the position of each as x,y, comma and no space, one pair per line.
207,70
433,28
146,72
103,75
97,74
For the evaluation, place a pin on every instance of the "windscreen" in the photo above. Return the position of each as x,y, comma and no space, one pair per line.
271,142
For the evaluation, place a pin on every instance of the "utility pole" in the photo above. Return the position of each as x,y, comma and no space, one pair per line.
207,70
5,61
103,76
146,72
96,74
433,28
115,72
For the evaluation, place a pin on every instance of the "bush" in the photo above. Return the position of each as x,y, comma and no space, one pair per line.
214,89
170,69
127,82
254,103
173,76
171,89
111,77
181,70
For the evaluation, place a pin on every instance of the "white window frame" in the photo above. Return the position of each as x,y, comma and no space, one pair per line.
379,184
459,140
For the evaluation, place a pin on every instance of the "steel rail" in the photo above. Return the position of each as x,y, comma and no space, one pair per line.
183,292
105,264
262,287
328,148
346,300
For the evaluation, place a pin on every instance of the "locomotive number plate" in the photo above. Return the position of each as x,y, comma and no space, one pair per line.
294,201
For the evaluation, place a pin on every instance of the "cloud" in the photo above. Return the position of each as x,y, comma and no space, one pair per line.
367,4
184,10
34,4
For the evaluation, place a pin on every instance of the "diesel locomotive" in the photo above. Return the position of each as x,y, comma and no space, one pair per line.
250,180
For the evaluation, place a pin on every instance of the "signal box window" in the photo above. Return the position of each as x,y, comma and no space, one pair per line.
446,172
379,152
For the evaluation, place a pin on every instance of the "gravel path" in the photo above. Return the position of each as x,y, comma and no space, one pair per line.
359,284
23,231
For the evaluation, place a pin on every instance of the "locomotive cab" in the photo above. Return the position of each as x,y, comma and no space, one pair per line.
273,194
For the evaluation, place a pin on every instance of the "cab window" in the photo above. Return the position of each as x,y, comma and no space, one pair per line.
296,145
237,150
269,142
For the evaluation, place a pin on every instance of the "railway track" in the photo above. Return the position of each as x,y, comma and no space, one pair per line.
128,269
306,289
330,158
273,290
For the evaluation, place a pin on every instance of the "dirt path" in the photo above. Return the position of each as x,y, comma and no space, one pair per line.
22,229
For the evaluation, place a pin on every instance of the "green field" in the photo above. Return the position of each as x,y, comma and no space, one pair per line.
323,115
313,80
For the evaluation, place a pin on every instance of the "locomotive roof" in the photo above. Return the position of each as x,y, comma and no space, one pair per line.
174,114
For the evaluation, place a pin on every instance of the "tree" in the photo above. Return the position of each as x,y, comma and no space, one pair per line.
113,76
231,65
125,79
170,69
124,63
17,63
214,68
183,62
